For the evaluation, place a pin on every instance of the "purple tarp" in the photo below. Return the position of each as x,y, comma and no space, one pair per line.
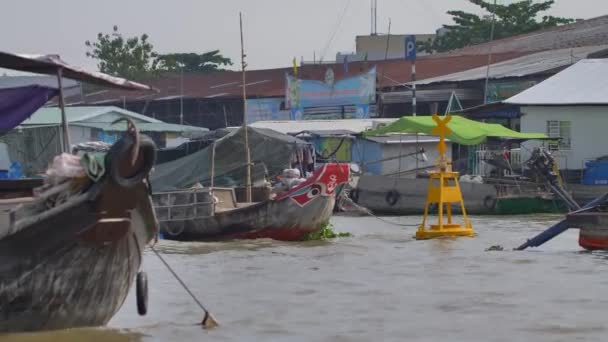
17,104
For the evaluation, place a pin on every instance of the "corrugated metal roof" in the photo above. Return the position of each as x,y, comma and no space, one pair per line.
584,83
581,33
143,127
52,115
535,63
271,82
354,126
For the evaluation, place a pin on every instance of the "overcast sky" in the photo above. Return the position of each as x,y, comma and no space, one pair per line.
275,30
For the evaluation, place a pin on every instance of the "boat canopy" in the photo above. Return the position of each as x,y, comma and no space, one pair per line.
464,131
271,152
51,64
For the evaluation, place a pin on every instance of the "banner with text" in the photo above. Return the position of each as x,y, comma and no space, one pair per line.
357,90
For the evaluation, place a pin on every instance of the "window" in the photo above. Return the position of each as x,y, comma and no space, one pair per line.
559,129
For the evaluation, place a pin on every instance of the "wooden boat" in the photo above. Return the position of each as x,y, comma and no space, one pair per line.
215,214
69,255
70,249
406,196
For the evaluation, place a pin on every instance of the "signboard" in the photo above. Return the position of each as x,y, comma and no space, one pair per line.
357,90
410,48
498,91
264,109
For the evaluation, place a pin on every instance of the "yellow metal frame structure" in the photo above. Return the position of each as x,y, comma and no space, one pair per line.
444,190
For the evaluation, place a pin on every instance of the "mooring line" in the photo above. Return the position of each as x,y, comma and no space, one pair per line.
208,320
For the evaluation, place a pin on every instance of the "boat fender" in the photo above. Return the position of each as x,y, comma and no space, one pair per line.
489,202
121,150
392,197
354,195
141,293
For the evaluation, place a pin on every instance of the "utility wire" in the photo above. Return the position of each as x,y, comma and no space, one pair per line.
336,28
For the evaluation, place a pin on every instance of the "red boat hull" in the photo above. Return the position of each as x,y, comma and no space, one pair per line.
288,217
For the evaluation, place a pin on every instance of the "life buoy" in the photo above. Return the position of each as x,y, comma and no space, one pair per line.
392,197
141,293
489,202
121,150
354,195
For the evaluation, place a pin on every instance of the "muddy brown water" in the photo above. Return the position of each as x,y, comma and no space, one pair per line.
378,285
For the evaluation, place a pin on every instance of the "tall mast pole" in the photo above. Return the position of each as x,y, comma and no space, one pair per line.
245,134
485,89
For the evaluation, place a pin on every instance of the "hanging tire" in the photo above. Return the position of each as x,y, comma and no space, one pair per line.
489,202
122,150
354,195
141,293
392,197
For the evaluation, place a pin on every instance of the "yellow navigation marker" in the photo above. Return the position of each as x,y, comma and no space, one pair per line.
444,190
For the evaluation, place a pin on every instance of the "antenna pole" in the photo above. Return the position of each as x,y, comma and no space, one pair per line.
485,91
245,134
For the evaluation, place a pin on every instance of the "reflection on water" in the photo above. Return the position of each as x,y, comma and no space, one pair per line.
379,284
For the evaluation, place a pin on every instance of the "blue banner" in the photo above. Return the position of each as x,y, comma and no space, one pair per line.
356,90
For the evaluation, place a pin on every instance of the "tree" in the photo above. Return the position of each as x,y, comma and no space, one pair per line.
193,62
470,29
127,57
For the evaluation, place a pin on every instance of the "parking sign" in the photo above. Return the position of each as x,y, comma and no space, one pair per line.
410,48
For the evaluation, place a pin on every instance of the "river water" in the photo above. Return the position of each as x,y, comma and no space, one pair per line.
378,285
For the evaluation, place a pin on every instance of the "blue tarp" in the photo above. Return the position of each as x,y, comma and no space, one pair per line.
17,104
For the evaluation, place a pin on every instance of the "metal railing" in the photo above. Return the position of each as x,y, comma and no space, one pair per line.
168,211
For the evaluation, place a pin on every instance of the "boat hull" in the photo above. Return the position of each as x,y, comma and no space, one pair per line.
479,199
74,278
290,216
593,229
69,255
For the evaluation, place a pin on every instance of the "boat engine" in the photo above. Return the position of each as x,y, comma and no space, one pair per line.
542,163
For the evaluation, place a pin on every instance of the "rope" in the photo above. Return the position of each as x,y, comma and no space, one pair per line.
180,280
369,213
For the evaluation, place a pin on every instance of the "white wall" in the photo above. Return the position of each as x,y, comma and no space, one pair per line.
409,163
589,132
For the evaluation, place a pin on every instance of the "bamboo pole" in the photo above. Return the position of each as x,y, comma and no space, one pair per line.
245,134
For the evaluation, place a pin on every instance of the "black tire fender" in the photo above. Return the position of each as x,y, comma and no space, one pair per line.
141,293
121,150
489,202
392,197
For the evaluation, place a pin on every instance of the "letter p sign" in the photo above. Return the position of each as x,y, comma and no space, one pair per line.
410,48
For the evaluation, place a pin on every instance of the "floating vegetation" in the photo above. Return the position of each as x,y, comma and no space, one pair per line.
326,232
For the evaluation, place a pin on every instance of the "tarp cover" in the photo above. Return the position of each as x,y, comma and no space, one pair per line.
268,149
17,104
464,131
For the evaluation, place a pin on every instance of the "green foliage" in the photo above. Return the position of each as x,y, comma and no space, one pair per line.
470,29
127,57
326,232
193,62
134,57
